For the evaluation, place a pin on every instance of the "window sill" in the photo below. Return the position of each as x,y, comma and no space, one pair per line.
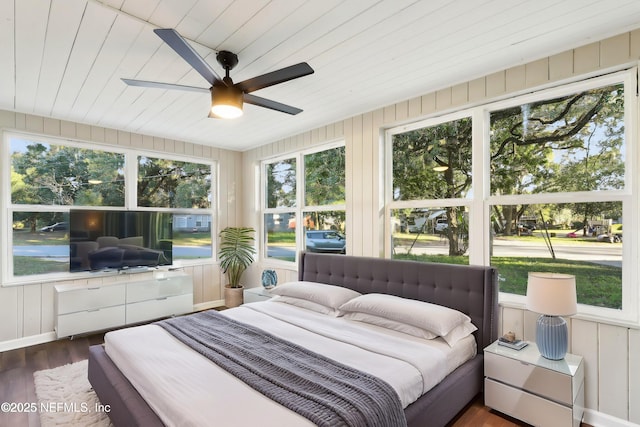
518,302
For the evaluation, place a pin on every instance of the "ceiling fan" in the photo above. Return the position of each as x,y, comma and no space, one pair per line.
226,97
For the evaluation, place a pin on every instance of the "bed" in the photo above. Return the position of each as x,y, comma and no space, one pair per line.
471,290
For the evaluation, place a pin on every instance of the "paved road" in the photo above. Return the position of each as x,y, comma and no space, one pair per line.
62,251
602,253
597,252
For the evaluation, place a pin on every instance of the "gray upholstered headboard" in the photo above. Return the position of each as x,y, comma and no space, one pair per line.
469,289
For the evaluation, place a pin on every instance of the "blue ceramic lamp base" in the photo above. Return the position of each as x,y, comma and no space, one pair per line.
552,337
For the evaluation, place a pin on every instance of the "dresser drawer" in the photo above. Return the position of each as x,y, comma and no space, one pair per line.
528,407
159,288
157,308
89,298
89,320
536,379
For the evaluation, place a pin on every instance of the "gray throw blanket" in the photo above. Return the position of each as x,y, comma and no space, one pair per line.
324,391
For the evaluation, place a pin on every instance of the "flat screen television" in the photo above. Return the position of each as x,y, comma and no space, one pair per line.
120,240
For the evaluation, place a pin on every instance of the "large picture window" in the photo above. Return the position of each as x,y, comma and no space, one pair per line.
304,204
570,146
535,183
49,176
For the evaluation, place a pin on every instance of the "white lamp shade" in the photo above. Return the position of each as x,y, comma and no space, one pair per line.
552,294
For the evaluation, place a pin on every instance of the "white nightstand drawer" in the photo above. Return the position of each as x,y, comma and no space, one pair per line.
530,377
89,320
528,407
256,295
89,298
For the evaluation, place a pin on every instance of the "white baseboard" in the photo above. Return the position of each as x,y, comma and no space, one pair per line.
27,341
51,336
598,419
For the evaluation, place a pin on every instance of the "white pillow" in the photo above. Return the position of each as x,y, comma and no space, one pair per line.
309,305
455,335
434,318
328,295
391,324
459,332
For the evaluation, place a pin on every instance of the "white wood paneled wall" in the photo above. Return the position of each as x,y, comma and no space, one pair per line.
612,353
26,311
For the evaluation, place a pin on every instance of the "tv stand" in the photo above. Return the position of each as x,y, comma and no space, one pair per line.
83,308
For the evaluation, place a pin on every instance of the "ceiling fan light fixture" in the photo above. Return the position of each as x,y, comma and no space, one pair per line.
226,102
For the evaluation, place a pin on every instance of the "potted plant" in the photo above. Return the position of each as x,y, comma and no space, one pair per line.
235,255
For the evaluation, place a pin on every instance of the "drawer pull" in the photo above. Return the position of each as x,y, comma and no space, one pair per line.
93,289
93,310
161,299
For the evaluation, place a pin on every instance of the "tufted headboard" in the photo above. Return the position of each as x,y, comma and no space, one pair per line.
470,289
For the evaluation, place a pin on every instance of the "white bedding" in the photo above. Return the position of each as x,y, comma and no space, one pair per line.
186,389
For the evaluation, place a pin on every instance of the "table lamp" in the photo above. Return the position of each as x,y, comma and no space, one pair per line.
552,295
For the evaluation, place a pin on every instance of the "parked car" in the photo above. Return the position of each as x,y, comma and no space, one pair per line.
326,241
525,226
58,226
441,225
610,238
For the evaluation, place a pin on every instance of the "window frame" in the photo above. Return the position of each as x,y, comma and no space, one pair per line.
7,207
300,206
480,202
468,202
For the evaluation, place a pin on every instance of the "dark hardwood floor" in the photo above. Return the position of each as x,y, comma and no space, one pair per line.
17,368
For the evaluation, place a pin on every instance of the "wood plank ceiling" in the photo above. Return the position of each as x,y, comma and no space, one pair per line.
64,58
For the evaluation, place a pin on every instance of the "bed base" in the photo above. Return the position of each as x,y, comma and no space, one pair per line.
470,289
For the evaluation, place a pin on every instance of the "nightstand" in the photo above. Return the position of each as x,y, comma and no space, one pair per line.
256,294
538,391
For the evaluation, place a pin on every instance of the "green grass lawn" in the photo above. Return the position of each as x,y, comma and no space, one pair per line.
597,285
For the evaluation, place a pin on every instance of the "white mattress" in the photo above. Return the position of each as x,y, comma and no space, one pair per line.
186,389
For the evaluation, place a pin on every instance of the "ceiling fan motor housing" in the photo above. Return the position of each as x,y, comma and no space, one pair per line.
227,60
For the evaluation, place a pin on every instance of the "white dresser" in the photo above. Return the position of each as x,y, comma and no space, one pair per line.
539,391
87,308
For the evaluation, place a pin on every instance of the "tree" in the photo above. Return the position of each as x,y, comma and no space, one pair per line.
60,175
565,144
435,163
325,177
173,184
281,184
570,143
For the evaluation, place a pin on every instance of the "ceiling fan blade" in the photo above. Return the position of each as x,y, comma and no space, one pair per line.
273,78
273,105
158,85
184,49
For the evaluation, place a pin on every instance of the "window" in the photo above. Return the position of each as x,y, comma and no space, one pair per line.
164,183
428,165
558,200
51,174
48,177
318,201
541,182
280,214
